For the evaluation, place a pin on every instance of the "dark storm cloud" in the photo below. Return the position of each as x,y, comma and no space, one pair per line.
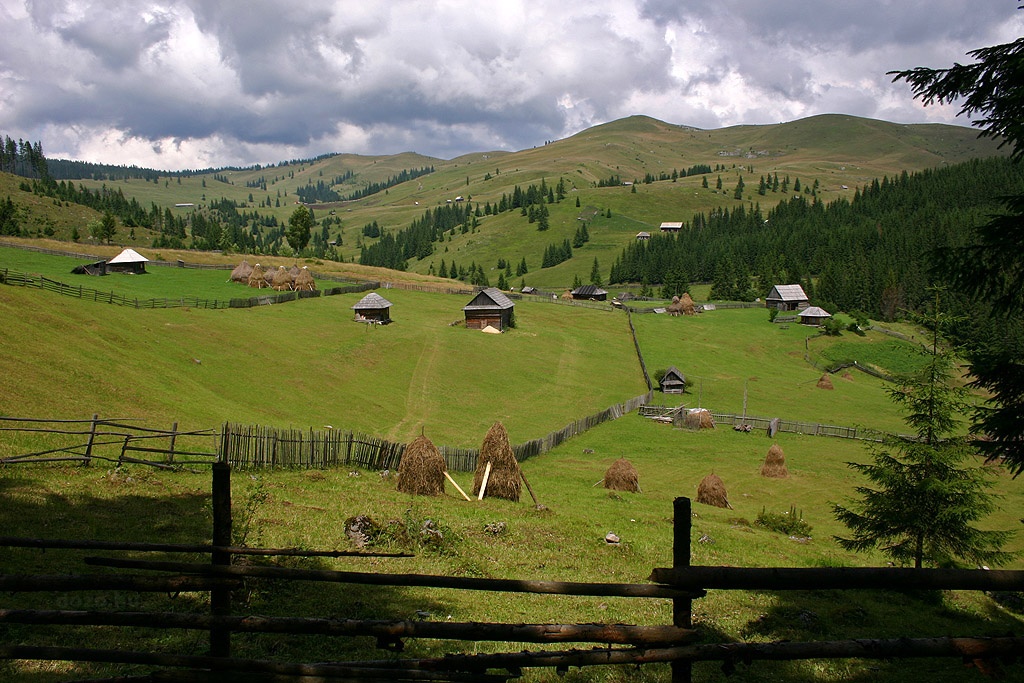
184,83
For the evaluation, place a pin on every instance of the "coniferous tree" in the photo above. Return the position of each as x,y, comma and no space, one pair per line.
595,274
926,496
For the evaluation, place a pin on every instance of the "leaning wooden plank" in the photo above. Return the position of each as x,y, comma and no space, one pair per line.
483,485
457,487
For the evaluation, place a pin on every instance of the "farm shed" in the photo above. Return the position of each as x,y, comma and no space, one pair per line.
373,308
672,226
674,382
489,307
590,293
643,235
812,315
97,268
786,298
128,261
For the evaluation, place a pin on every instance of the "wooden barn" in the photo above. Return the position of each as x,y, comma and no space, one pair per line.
786,298
489,308
373,308
128,261
812,315
671,226
674,382
590,293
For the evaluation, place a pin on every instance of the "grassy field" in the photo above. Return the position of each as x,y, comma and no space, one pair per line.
307,364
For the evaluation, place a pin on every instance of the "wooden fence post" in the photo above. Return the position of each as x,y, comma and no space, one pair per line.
92,438
682,608
220,598
174,436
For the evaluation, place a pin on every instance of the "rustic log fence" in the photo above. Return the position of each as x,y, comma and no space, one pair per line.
765,423
251,447
114,440
621,644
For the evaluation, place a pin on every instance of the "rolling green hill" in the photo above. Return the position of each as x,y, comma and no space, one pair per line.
840,152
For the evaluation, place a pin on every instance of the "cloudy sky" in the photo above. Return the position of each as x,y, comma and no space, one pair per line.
184,84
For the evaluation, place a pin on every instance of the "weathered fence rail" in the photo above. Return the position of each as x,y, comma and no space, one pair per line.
669,643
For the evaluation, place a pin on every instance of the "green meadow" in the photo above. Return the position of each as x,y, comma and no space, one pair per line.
307,364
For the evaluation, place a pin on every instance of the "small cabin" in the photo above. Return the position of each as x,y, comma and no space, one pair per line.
373,308
489,308
589,293
128,261
674,382
786,298
643,235
672,226
812,315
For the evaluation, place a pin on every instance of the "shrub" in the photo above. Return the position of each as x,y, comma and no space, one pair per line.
790,523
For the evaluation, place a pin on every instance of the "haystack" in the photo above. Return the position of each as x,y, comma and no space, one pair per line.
711,491
775,463
282,279
699,418
687,304
257,277
421,469
268,276
241,272
505,478
825,382
622,476
304,281
567,296
294,271
674,308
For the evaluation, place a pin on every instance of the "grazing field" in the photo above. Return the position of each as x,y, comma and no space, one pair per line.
307,364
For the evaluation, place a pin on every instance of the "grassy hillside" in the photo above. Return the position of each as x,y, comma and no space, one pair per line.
836,150
307,364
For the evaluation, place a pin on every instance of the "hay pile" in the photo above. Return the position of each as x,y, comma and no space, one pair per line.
505,478
711,491
775,463
257,277
825,382
622,476
241,272
699,418
682,305
282,280
567,296
421,470
304,282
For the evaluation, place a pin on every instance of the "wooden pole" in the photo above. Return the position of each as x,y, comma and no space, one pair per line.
174,437
483,484
459,488
529,488
220,600
682,608
92,438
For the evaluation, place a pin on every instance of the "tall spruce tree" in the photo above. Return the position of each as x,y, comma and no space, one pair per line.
992,268
926,496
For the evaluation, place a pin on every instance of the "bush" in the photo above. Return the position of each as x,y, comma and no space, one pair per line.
790,523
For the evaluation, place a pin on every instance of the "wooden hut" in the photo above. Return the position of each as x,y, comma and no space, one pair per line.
786,298
674,382
490,307
590,293
813,315
128,261
373,308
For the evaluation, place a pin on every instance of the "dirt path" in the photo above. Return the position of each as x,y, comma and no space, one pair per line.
418,404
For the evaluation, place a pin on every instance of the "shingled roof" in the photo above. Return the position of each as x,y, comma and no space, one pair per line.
497,300
373,300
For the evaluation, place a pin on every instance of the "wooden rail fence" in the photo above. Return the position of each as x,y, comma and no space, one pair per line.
622,644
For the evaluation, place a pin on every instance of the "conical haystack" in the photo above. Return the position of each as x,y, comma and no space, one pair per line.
825,382
775,463
622,476
282,279
505,478
674,308
241,272
257,277
686,302
421,470
699,418
711,491
294,271
268,276
304,281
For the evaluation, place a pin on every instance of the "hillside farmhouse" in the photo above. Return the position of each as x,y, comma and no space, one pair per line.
786,298
489,308
373,308
128,261
589,293
672,226
812,315
674,382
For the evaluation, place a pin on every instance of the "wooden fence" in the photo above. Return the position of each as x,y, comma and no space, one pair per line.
259,447
763,423
113,440
621,644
